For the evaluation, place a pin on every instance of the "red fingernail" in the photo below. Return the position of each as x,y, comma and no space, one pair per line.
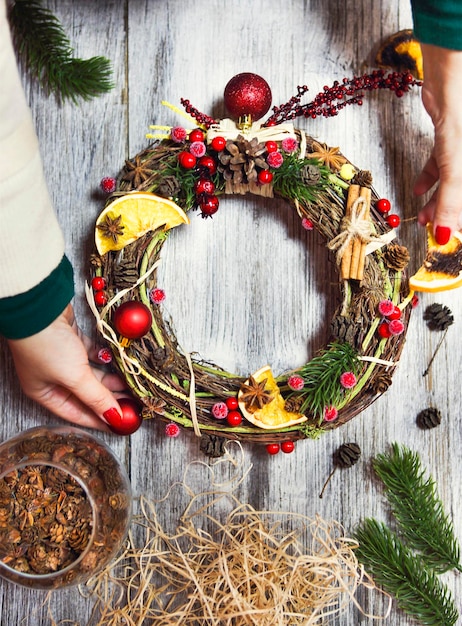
442,235
112,416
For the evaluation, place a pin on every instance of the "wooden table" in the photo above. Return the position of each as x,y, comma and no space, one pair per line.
247,288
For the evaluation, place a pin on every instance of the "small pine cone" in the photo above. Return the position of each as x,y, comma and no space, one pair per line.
363,178
438,316
96,261
343,329
347,455
310,174
428,418
293,404
56,479
381,383
119,501
78,538
396,257
125,274
170,186
212,445
57,533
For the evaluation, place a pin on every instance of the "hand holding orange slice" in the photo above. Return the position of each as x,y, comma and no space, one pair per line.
131,216
272,414
442,266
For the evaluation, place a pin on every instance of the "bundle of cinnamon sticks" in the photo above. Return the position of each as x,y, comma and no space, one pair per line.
354,256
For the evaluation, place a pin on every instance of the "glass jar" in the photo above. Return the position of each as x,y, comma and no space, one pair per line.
65,507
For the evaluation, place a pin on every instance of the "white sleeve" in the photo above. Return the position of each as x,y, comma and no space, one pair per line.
31,241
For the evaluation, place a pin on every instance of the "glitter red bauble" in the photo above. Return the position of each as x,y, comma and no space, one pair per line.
130,420
248,94
132,319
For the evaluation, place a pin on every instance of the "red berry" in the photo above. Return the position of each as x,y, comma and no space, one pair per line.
232,403
271,146
187,160
196,135
287,446
393,220
204,185
129,421
395,314
218,143
273,448
209,205
265,177
208,163
384,330
98,283
383,205
234,418
415,301
132,319
100,298
108,184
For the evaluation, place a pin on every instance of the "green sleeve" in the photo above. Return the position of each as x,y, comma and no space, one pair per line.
28,313
438,22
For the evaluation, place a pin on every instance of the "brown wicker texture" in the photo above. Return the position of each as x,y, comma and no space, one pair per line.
164,390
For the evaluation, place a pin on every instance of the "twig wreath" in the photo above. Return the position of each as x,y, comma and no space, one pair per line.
194,169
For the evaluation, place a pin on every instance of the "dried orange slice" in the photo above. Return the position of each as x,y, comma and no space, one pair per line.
133,215
272,414
442,266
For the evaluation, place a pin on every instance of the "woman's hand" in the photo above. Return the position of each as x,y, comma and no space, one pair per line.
54,370
442,100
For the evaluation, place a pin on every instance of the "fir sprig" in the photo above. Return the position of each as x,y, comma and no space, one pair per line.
45,51
321,376
417,508
393,565
288,179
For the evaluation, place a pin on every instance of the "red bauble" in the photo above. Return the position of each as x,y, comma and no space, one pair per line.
132,319
130,420
248,94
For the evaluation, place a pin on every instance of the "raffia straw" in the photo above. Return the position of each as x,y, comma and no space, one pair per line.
254,567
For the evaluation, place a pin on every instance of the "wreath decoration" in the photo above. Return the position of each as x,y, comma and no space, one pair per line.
183,170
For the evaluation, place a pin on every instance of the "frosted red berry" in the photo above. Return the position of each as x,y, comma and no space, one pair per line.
330,413
275,159
348,380
232,403
178,134
287,446
386,307
273,448
197,149
383,205
265,177
187,160
234,418
98,283
105,355
196,135
396,327
108,184
296,382
157,295
172,430
218,144
100,298
220,410
393,220
307,224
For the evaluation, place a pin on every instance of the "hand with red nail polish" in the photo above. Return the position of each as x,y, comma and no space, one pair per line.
54,370
442,171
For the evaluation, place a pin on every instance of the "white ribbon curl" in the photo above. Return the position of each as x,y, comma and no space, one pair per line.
228,129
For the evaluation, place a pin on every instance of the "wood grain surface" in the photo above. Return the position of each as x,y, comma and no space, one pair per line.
249,287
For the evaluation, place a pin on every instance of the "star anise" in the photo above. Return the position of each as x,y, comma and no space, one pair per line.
254,395
136,172
153,406
329,156
112,228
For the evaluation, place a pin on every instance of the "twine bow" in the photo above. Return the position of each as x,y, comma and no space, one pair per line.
230,130
351,227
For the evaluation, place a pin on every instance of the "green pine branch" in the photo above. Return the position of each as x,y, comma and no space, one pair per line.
417,589
417,508
45,51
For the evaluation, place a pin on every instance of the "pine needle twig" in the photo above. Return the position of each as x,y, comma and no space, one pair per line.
45,51
417,508
417,589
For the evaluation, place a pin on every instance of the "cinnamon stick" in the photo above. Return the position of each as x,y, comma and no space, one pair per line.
353,194
358,256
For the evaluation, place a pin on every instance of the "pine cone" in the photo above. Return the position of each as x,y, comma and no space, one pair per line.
169,187
396,257
125,274
438,316
363,178
78,538
238,163
381,383
293,404
212,445
343,329
428,418
310,175
57,533
347,455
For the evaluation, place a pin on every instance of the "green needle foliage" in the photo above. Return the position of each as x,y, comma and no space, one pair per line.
289,181
417,589
45,51
417,508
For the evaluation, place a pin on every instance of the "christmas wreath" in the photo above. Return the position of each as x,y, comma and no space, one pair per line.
193,169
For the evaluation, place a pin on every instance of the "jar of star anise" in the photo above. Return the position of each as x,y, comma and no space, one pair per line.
65,507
